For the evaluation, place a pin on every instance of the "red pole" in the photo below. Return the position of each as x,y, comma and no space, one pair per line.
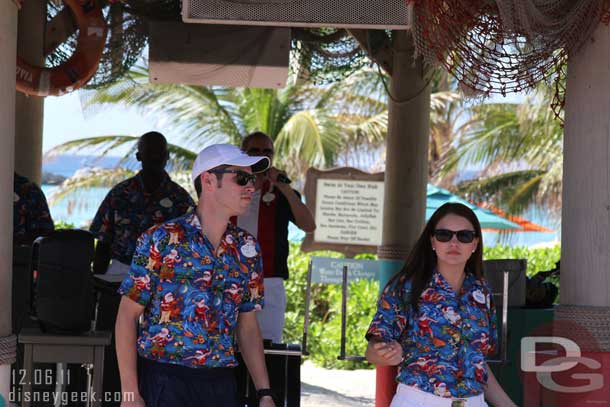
385,385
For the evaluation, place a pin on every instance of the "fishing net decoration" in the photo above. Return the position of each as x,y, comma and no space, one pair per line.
325,55
126,40
504,46
321,56
499,46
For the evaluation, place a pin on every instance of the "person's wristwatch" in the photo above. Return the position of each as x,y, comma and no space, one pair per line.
260,393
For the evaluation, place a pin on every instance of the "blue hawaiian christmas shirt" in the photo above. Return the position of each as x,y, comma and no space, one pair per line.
30,209
128,211
191,293
446,342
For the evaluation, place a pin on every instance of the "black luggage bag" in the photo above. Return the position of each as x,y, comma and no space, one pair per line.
62,288
284,367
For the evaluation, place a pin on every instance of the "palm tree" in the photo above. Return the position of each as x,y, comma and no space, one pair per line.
520,147
449,119
310,126
343,123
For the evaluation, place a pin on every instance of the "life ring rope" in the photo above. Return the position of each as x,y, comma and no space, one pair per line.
80,67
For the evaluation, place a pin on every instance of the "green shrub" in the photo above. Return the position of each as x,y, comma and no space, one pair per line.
64,225
542,259
324,339
538,260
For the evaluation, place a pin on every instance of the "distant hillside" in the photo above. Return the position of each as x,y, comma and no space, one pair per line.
67,164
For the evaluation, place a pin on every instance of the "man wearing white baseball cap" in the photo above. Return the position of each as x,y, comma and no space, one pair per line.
196,280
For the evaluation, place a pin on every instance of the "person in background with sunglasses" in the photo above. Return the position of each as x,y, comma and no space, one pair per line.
196,281
274,205
436,319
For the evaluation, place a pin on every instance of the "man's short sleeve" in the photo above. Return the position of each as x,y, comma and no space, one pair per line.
102,225
254,298
41,220
391,317
185,201
141,280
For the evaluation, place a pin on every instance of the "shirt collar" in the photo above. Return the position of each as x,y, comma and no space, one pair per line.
164,180
439,281
193,220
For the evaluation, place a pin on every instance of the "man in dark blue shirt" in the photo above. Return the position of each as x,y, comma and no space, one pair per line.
135,205
31,216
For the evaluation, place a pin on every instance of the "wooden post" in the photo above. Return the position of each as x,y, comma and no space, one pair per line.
29,110
585,231
8,52
585,234
406,174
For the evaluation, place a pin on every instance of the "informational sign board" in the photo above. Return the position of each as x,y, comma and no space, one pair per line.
326,270
349,212
348,207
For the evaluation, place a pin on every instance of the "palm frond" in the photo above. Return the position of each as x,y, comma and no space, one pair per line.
513,191
309,137
524,194
101,144
87,179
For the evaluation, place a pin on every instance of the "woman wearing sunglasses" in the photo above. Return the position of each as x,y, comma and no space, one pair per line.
436,320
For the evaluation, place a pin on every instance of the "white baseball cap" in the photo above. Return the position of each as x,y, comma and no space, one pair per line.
226,154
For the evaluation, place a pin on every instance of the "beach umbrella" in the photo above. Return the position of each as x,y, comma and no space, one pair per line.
525,225
489,220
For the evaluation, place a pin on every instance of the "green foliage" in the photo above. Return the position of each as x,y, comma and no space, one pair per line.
520,150
324,339
64,225
542,259
538,260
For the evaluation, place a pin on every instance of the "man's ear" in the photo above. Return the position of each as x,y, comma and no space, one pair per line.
206,179
138,157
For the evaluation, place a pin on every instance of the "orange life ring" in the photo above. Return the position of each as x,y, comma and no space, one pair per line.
82,65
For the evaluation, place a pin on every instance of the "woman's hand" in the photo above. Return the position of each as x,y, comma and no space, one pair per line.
266,401
384,353
133,400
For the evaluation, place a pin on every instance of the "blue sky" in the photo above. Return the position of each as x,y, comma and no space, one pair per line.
64,121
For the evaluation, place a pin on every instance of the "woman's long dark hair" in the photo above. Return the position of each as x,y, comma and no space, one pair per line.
421,261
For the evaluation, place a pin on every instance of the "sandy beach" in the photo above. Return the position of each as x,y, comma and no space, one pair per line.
336,388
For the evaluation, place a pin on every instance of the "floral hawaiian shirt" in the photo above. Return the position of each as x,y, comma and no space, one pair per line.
30,209
128,211
445,343
191,293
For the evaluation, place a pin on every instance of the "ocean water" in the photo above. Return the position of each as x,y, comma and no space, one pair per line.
79,210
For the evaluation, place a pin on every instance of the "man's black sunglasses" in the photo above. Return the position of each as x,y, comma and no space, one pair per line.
445,235
241,177
268,152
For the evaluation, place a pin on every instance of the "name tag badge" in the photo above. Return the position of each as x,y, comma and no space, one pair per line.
479,297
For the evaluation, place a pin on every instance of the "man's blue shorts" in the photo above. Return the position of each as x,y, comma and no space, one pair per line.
168,385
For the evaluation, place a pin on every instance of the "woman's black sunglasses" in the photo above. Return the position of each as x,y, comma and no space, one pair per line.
241,177
445,235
